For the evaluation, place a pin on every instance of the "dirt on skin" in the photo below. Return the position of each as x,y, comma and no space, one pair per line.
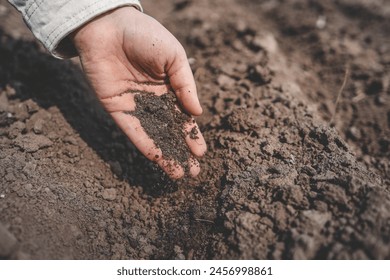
278,181
164,124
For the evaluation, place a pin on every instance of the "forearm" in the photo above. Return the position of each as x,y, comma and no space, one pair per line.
52,21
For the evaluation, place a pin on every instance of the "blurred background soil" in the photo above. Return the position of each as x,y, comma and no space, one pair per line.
288,174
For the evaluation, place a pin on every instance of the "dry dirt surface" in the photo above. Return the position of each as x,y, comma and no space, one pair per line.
288,174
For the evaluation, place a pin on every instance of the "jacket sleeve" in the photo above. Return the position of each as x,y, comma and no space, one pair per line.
52,20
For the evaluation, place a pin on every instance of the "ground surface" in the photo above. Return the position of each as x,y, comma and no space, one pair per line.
278,181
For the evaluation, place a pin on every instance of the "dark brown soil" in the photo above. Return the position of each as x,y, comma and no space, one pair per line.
278,181
164,124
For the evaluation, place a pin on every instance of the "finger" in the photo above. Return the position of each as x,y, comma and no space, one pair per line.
131,126
194,139
172,168
194,166
183,83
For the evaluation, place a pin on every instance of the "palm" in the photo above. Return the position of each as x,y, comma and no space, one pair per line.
141,58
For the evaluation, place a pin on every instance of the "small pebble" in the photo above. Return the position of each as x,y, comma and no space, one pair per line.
321,22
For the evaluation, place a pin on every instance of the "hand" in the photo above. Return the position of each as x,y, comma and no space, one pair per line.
125,51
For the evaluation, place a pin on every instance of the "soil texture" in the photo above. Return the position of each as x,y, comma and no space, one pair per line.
165,124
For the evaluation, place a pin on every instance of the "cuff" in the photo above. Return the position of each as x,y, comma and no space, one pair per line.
52,21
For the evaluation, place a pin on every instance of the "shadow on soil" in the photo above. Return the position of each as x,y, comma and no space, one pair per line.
50,82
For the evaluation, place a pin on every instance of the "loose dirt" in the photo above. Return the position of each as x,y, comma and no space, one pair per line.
278,181
165,124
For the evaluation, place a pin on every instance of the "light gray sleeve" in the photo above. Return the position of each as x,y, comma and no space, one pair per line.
52,20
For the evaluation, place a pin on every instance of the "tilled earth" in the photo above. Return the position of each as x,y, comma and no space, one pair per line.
288,174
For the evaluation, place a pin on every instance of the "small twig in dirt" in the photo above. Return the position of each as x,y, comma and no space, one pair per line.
340,93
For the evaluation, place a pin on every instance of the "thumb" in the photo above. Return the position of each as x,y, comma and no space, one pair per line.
183,83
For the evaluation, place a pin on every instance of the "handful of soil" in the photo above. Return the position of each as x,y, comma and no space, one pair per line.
164,124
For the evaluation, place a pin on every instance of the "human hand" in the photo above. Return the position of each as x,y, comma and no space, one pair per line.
125,52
